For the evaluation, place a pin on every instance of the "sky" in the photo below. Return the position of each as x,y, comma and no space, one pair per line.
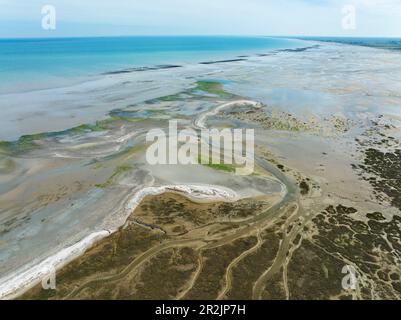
23,18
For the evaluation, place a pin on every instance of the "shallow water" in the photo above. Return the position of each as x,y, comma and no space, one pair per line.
28,64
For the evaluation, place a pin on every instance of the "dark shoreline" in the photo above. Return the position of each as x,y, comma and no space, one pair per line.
376,42
141,69
238,59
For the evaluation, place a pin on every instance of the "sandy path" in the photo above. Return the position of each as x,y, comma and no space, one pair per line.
136,263
228,276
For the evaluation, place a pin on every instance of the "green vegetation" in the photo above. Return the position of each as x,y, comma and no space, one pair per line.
222,167
248,270
215,263
217,166
28,143
23,144
108,256
212,87
203,86
172,97
98,126
117,171
276,121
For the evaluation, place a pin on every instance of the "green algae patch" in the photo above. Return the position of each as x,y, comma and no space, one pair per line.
211,87
85,128
217,166
170,98
133,115
202,87
24,144
28,143
119,170
221,167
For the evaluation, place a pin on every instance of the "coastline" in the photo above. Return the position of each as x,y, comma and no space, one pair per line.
17,284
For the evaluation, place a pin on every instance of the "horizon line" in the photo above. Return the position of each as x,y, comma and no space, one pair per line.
195,35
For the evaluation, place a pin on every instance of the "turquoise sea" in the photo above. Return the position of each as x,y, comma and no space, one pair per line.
27,64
